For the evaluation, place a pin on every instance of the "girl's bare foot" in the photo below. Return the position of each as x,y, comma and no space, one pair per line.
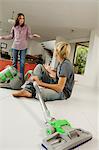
22,93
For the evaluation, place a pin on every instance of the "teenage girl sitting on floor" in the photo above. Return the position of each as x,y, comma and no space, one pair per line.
52,88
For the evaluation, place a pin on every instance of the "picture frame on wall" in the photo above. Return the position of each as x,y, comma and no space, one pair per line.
4,52
3,45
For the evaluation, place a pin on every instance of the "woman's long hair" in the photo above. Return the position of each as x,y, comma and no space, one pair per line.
17,20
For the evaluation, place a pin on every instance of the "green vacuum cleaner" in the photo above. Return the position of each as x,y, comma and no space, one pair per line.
10,78
60,134
8,73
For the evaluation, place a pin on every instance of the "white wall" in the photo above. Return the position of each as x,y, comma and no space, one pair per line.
98,46
91,71
49,44
0,11
60,38
97,75
35,48
91,76
98,15
72,51
0,17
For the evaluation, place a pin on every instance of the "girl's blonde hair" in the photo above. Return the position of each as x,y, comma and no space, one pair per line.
63,49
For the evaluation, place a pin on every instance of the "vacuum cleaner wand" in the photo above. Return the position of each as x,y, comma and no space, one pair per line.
45,110
61,136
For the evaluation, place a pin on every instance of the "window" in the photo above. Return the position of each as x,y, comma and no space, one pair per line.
80,57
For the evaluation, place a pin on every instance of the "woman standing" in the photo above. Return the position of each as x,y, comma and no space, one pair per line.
20,32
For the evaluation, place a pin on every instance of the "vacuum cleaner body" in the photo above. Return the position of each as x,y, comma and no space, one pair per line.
10,78
8,73
60,134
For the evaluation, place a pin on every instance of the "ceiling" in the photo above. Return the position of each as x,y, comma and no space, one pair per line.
50,18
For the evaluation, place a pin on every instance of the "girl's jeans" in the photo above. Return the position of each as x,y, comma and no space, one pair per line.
47,94
22,60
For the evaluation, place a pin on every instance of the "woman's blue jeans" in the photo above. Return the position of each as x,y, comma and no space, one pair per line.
22,60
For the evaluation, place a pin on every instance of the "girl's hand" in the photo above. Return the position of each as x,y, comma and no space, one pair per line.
0,37
47,67
51,72
36,35
35,78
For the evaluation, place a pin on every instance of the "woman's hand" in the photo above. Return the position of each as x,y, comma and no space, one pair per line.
36,35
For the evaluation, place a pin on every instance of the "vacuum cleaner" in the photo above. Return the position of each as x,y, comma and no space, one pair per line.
10,78
8,73
60,134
